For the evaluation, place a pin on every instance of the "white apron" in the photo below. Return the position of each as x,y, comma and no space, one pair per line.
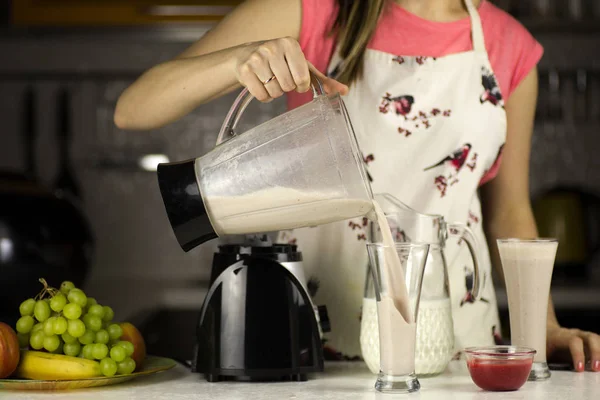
429,129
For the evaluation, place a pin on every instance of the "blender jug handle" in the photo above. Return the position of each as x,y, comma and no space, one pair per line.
465,233
242,101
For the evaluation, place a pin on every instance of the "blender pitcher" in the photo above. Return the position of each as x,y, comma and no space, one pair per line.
302,168
435,331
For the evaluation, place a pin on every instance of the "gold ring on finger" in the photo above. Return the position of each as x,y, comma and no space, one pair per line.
269,80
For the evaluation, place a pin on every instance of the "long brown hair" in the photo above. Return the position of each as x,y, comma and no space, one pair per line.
354,26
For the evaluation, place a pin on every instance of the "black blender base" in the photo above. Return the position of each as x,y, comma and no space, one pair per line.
245,378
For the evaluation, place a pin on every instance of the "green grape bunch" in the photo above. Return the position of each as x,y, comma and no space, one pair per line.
67,321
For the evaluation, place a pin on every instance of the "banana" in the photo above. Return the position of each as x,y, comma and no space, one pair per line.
57,367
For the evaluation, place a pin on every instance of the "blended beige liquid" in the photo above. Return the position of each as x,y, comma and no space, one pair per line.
396,339
528,272
434,345
397,327
279,208
394,272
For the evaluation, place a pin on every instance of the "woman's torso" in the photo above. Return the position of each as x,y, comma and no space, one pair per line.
430,129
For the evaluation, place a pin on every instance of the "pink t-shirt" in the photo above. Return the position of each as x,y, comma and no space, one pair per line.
512,50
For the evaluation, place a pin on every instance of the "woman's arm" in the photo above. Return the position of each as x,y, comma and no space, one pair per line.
257,40
507,213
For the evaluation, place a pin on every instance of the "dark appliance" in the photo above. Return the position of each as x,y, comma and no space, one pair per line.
258,322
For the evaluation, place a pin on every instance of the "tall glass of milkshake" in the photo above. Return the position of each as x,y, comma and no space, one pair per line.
397,277
528,266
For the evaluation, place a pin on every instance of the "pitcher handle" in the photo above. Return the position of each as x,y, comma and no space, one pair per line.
244,98
464,232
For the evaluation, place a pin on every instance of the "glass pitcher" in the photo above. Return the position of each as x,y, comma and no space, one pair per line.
435,331
302,168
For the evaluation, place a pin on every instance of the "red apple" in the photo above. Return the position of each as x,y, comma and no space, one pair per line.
133,335
9,350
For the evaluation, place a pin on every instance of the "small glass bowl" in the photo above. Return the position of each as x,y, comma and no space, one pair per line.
499,368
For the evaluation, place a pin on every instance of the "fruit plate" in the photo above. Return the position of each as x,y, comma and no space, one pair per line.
152,365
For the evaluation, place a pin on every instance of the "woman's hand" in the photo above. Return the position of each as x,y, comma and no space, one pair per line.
271,68
573,344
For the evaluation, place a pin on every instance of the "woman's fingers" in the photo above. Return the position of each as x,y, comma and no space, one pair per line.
593,346
259,63
578,345
577,350
254,85
297,64
330,85
272,85
269,69
282,72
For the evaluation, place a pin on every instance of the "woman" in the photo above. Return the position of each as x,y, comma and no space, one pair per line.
439,91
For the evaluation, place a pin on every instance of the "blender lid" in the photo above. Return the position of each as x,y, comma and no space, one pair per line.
184,205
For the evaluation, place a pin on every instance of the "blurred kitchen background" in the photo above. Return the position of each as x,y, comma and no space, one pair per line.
65,62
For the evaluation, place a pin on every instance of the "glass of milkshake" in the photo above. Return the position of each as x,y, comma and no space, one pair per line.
397,271
528,266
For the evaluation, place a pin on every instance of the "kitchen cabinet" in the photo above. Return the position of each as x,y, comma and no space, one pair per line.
58,13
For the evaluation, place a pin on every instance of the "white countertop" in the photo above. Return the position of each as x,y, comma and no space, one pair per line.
340,381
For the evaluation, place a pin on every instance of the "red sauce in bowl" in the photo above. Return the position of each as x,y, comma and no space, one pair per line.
499,375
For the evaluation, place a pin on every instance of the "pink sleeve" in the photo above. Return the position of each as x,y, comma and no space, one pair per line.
513,51
318,17
529,56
